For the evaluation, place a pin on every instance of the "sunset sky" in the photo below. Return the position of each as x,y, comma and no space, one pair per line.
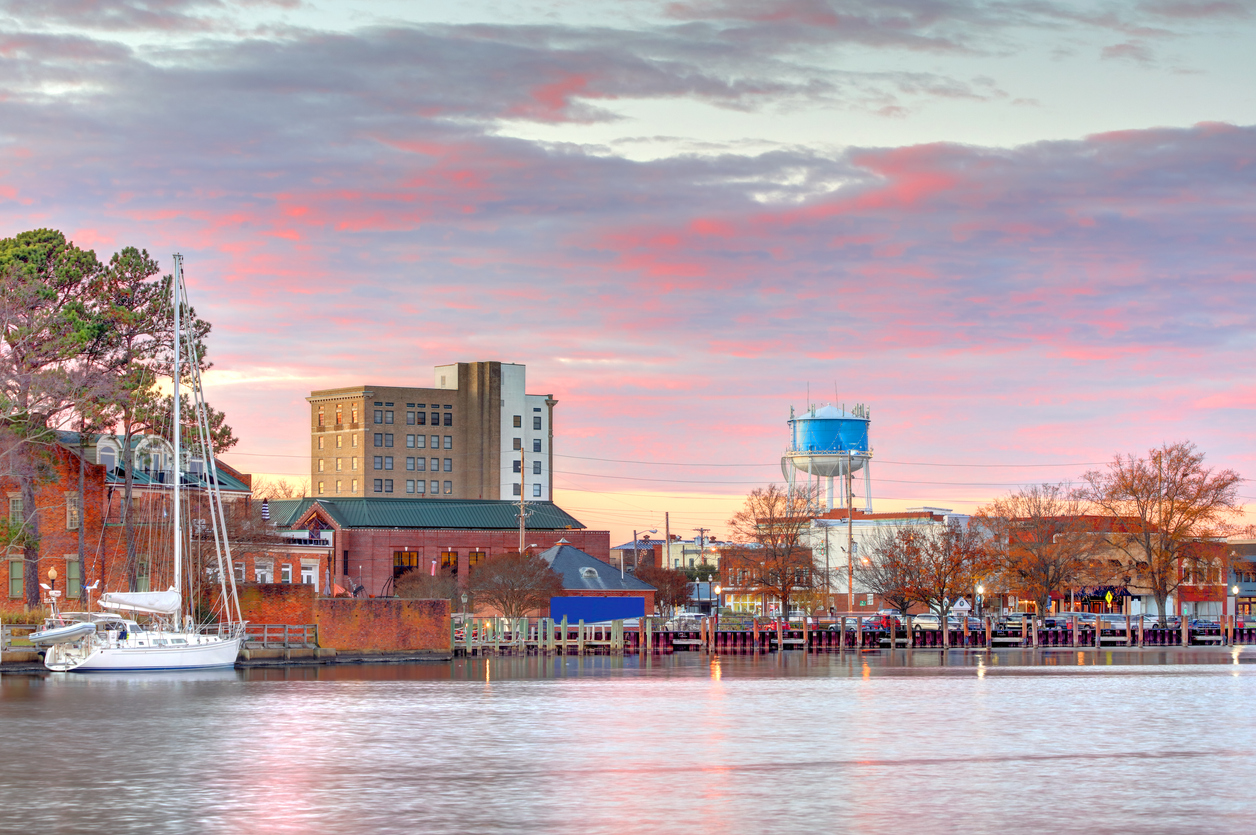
1021,232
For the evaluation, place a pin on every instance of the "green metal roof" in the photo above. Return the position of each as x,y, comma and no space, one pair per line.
455,514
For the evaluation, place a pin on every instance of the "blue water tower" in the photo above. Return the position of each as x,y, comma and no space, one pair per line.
829,441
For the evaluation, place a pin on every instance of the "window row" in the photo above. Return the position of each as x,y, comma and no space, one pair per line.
536,422
421,464
322,416
385,418
536,467
420,442
536,444
536,490
340,486
419,487
340,464
353,441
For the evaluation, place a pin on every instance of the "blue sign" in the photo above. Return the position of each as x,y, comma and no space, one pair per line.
596,609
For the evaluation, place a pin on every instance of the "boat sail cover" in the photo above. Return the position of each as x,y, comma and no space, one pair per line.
153,602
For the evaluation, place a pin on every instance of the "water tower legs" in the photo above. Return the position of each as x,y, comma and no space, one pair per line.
830,493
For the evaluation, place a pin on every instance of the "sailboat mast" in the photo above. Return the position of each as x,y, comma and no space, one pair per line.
178,518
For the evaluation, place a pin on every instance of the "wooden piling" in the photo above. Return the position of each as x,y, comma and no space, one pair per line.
1186,632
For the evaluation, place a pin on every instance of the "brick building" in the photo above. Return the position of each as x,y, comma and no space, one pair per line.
476,434
369,542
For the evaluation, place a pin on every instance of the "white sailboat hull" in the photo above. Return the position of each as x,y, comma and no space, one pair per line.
208,652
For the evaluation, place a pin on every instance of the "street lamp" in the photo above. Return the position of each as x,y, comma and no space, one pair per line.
715,603
635,554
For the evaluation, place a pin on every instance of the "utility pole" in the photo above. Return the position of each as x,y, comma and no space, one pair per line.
850,538
667,535
702,543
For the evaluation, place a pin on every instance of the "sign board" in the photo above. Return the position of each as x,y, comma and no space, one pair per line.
961,606
1108,597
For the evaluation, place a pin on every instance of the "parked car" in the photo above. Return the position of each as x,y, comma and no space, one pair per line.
926,622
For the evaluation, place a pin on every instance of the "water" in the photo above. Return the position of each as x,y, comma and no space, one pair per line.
1149,742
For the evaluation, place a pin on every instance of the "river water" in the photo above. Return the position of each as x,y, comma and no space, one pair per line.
1153,741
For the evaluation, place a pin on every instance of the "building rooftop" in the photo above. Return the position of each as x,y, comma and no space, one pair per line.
456,514
581,571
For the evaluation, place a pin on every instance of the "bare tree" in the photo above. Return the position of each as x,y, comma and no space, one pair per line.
671,586
515,583
777,519
1161,502
1041,542
419,585
887,567
947,560
280,488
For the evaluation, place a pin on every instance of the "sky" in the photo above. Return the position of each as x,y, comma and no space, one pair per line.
1020,232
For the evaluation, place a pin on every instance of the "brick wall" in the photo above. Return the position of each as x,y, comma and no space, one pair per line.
370,626
288,603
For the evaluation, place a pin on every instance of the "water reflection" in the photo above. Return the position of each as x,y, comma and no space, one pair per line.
1082,741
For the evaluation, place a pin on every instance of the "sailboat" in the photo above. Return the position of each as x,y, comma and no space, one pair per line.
149,631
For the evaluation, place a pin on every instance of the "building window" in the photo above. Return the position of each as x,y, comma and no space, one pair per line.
536,422
339,441
72,514
15,511
379,416
353,414
449,418
353,486
353,463
420,419
320,488
238,568
388,485
409,485
420,464
404,561
410,464
338,482
435,444
264,572
476,557
435,488
409,418
73,582
409,442
449,487
388,440
518,443
285,573
339,419
449,465
536,491
379,485
536,444
449,559
420,441
518,421
515,489
320,442
419,487
388,418
320,415
379,462
536,468
449,442
436,465
518,465
388,462
16,578
379,439
353,442
107,459
436,418
320,465
340,464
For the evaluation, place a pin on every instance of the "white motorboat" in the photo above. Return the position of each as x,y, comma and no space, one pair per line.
116,640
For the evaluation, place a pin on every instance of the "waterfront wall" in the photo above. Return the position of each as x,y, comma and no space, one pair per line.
349,624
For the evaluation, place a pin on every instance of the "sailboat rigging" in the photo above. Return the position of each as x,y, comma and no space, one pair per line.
168,638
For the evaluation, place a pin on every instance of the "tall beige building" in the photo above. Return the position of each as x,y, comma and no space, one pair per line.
476,434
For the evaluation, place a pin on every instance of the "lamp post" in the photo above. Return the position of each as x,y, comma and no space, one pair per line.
981,590
715,603
52,579
635,553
